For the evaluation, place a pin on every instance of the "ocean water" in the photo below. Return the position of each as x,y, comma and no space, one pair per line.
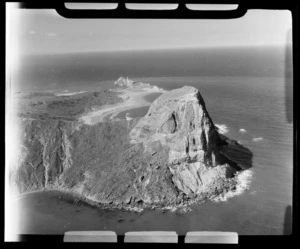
248,95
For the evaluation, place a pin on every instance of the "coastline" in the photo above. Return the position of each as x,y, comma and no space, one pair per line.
236,186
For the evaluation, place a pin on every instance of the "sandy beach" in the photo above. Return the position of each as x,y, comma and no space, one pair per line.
133,97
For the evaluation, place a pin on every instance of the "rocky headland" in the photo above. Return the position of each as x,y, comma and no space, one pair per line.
171,157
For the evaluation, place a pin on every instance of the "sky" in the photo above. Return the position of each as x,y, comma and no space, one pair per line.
45,31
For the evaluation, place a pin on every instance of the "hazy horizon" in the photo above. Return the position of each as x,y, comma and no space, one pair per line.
46,32
175,49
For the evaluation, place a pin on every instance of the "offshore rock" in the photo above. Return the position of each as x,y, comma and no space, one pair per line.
124,82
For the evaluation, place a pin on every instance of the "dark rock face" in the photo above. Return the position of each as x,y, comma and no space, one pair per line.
171,156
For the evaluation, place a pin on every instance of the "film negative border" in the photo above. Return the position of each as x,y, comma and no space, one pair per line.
281,240
166,237
182,11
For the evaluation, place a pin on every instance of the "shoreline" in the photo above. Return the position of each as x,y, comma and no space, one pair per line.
239,184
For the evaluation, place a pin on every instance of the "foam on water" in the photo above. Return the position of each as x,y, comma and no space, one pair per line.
159,89
134,209
222,128
243,180
257,139
66,93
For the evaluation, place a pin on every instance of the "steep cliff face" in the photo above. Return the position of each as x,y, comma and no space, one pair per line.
179,121
97,162
47,153
172,156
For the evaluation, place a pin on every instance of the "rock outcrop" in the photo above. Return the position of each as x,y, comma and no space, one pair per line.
179,121
124,82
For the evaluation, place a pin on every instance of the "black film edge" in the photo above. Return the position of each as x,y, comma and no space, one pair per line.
122,12
181,12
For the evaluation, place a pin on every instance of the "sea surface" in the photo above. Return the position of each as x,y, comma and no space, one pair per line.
248,94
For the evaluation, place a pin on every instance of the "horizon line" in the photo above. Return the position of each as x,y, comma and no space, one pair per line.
160,49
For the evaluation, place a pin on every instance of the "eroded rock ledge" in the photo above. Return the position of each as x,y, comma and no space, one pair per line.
171,157
179,121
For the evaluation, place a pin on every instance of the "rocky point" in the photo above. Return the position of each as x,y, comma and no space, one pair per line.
179,121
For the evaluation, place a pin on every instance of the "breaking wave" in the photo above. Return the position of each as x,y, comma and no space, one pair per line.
158,89
242,130
66,93
243,180
222,128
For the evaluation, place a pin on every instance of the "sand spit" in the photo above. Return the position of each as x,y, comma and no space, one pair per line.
133,97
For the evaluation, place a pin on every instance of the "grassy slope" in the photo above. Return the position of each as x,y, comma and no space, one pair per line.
45,106
105,166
